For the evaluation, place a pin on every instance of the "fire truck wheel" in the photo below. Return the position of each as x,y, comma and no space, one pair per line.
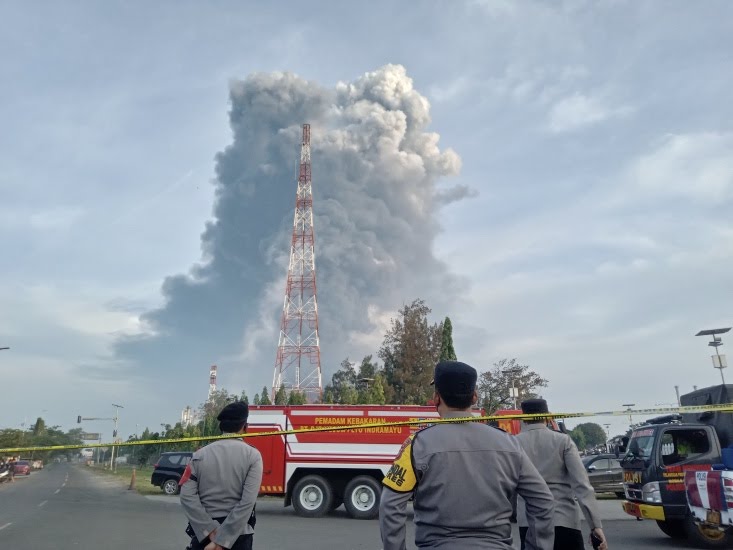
312,497
703,536
361,497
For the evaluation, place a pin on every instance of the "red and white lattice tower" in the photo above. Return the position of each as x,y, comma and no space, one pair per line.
298,362
212,380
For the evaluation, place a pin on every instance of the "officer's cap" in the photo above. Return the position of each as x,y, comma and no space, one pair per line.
234,412
453,378
534,406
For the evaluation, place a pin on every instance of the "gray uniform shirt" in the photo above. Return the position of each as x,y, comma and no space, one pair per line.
225,480
557,459
463,477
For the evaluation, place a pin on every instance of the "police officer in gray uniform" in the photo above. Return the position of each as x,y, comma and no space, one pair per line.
220,486
557,459
463,477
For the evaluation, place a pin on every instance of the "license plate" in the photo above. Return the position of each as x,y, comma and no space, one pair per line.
632,477
713,517
633,509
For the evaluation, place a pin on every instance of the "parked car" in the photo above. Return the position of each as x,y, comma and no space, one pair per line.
22,468
37,464
605,473
169,469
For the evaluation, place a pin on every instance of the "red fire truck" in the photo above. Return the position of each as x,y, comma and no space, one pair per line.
317,472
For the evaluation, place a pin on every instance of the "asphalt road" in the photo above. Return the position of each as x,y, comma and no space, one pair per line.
67,507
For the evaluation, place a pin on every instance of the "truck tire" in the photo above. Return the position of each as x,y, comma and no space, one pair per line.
312,497
361,497
706,537
673,529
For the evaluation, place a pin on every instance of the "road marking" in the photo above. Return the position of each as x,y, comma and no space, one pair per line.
57,491
4,526
42,503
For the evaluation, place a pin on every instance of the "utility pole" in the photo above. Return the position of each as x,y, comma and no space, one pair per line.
133,447
112,465
677,393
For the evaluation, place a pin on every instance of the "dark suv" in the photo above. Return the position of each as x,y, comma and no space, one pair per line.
169,469
605,474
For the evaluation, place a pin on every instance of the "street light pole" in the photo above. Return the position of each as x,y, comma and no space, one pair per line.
628,409
514,391
719,361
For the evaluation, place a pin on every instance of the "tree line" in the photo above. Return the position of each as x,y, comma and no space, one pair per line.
40,435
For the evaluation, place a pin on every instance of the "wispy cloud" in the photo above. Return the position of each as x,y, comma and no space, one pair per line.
580,111
696,166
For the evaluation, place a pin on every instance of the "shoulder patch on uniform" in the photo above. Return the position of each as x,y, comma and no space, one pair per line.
401,476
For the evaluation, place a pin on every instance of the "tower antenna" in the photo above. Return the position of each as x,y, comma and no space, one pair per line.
298,360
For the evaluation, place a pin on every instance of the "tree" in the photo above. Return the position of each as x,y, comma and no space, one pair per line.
257,399
447,351
243,398
593,433
342,389
494,386
368,369
209,410
264,397
297,398
410,350
281,398
578,438
374,394
39,427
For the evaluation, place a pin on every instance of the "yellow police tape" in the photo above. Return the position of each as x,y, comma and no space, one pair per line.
727,407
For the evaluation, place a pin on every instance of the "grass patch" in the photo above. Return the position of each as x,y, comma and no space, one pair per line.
124,474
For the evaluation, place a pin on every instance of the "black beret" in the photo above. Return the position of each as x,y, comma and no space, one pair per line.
534,406
453,378
234,412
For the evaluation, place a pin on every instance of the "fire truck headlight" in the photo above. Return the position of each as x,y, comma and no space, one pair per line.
651,493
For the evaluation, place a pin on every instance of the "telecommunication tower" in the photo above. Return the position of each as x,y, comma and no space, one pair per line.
212,380
298,361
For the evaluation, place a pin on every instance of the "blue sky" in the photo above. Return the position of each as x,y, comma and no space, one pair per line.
588,147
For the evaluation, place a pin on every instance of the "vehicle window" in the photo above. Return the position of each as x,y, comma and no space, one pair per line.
614,464
641,446
601,464
170,460
683,445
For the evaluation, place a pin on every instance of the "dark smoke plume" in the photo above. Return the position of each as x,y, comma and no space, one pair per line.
375,175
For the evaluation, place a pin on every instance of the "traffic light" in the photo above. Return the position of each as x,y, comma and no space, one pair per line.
78,419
